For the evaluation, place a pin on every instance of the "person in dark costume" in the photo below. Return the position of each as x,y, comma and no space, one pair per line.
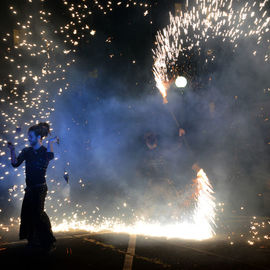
35,224
153,172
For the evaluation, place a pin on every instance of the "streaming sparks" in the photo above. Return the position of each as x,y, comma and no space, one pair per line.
205,209
195,29
200,227
200,224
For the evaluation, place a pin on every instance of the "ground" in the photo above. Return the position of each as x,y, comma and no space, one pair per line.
105,250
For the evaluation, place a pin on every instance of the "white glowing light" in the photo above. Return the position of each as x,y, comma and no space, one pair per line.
185,230
181,82
201,225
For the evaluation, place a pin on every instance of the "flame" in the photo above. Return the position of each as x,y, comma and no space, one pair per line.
163,85
162,81
162,89
200,227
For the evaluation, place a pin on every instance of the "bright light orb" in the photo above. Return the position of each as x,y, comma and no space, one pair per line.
181,82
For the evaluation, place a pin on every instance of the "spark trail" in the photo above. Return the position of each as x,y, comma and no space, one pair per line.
227,21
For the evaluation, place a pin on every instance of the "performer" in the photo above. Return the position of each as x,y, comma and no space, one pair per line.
35,224
153,172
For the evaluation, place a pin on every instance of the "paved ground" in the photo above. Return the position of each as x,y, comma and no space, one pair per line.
83,250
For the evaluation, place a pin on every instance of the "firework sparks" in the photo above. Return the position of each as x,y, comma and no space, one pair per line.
201,227
210,19
206,21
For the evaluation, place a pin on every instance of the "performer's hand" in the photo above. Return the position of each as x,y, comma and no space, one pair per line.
54,140
11,146
182,132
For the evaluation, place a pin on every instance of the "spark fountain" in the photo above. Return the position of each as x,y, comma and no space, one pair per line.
201,227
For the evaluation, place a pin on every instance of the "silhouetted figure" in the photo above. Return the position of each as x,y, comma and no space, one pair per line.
35,224
153,171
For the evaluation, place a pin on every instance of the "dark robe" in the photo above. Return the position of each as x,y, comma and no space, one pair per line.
35,224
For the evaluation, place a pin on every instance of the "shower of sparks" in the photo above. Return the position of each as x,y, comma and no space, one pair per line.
200,227
40,64
223,21
205,209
